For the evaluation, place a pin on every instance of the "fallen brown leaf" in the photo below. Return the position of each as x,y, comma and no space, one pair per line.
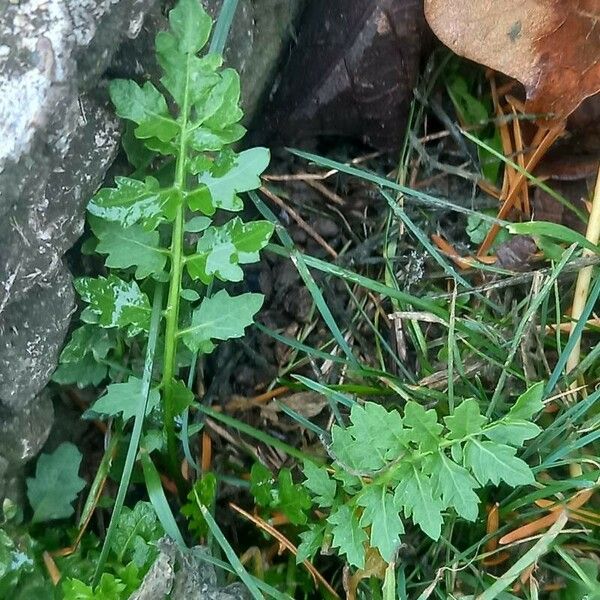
551,46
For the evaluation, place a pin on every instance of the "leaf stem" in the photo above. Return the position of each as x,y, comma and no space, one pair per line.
172,310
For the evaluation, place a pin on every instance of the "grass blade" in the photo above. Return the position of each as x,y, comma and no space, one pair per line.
574,337
234,561
537,182
134,442
531,556
159,500
420,197
256,433
298,259
221,31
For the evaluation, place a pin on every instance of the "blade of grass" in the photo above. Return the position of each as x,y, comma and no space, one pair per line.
401,215
574,338
591,586
136,433
293,343
334,395
420,197
366,282
569,417
379,338
541,547
298,260
257,434
265,587
185,437
451,348
524,322
569,447
159,500
234,561
300,419
221,30
537,182
555,231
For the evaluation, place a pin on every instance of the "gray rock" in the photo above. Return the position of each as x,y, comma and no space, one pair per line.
56,143
23,434
260,32
185,575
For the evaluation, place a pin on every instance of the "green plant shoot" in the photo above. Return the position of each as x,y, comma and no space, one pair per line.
160,228
389,467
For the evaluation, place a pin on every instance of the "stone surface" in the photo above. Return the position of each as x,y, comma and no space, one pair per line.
185,576
259,35
351,73
57,138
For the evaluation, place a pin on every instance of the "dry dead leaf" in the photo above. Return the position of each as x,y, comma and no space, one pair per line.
551,46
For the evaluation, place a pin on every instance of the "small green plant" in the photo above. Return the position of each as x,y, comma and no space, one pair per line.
461,82
56,484
159,229
388,468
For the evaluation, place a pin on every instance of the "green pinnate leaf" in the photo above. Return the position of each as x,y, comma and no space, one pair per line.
138,154
221,191
262,484
84,372
222,106
191,25
513,433
209,111
182,397
312,540
56,484
124,398
386,441
134,201
221,250
204,139
455,485
220,317
145,106
415,494
350,483
185,73
129,247
466,420
204,490
425,430
197,224
190,295
381,514
528,403
353,454
348,535
294,500
494,462
115,303
320,484
74,589
137,529
88,339
109,588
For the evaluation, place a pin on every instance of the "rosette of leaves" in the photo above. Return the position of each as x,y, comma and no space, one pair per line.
143,225
389,468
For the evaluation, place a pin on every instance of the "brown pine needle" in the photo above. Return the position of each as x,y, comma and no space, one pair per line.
299,220
549,138
527,530
284,542
206,452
